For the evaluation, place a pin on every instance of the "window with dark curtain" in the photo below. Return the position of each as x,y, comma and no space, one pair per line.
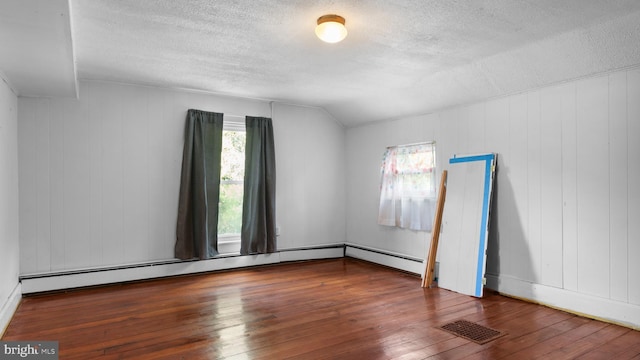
259,204
197,226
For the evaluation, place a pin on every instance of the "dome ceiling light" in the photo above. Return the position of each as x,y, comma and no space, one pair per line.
331,28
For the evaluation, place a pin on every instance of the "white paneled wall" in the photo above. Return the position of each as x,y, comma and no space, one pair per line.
569,157
618,186
99,176
311,206
567,215
592,186
9,247
633,195
550,177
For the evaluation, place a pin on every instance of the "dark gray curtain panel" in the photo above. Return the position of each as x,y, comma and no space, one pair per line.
259,204
197,228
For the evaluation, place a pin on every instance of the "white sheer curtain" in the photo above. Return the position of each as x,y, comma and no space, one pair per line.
407,187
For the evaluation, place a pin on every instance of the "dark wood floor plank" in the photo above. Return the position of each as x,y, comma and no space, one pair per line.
331,309
616,347
573,334
588,343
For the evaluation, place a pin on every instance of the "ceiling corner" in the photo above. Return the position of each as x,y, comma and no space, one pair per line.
38,55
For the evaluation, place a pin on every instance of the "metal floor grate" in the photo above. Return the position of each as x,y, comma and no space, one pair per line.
472,331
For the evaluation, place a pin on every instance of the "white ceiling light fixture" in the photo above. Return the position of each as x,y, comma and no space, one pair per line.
331,28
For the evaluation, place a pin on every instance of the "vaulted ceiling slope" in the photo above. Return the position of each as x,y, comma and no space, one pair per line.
36,49
401,57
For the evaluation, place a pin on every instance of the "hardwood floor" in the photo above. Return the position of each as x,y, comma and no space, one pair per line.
329,309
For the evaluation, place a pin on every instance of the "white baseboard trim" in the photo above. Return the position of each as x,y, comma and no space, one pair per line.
305,254
580,304
386,258
9,308
61,281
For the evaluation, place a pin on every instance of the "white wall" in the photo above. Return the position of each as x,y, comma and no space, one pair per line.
311,184
566,228
9,248
99,176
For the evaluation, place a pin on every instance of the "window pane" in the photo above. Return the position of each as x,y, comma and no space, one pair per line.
230,213
232,167
231,183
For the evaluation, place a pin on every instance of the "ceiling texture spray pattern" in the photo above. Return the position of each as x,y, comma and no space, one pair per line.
402,57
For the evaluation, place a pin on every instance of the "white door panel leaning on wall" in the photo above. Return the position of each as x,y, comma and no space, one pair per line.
465,221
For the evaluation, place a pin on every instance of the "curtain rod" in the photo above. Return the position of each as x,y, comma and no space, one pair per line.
239,116
418,143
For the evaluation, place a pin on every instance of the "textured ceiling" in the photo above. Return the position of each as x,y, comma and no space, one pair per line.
401,57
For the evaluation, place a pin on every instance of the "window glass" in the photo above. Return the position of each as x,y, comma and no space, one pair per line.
231,183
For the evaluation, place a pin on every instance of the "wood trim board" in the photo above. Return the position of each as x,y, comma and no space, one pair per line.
427,279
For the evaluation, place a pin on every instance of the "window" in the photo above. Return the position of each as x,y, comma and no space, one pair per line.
231,186
407,186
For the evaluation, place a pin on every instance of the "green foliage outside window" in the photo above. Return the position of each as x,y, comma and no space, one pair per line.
231,186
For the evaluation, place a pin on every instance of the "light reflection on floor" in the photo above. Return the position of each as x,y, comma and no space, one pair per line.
232,340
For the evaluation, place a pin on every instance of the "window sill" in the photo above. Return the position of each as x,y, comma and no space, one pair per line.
228,244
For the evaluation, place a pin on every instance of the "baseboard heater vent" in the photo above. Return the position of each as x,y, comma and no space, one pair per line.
382,252
159,263
471,331
384,257
103,269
